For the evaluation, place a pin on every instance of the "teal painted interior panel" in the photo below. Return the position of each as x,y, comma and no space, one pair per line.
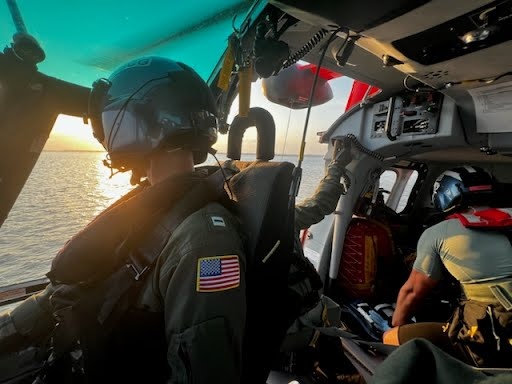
85,40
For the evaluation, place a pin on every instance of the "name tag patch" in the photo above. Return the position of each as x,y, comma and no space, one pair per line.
218,221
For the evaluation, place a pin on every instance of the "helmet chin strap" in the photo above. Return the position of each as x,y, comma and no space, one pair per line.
136,177
174,150
210,150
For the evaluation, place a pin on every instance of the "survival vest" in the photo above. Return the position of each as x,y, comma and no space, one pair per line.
491,218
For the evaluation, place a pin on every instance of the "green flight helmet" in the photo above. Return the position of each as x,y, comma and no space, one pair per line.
149,104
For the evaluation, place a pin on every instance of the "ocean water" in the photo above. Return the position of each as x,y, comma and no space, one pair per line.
65,191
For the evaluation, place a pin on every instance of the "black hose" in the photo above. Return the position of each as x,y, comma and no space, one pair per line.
312,92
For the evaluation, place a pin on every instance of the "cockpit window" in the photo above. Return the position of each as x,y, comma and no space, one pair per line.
386,183
407,191
400,192
289,119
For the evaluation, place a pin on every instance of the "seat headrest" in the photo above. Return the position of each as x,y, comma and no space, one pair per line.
262,191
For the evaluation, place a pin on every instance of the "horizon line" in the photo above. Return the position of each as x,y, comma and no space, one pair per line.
223,153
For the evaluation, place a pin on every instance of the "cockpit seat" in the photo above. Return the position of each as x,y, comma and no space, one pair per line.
261,191
265,201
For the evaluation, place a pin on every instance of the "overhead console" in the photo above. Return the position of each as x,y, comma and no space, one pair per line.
446,45
406,115
473,31
355,15
350,59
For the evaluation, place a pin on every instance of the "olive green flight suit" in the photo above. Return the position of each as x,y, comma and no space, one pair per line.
197,284
204,324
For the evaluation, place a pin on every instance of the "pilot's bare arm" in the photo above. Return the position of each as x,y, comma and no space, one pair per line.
417,286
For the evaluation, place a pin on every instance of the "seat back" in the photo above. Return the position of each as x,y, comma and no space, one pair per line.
264,196
262,192
265,207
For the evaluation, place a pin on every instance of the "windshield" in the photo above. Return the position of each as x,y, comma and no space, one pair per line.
290,122
70,174
80,51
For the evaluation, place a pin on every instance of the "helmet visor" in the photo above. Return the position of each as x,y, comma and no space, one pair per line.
133,129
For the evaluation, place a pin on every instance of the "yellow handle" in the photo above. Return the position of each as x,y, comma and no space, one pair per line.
227,67
244,91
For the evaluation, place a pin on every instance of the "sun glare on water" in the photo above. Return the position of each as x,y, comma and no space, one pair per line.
109,189
71,134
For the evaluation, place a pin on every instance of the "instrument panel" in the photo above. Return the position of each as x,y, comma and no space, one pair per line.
415,113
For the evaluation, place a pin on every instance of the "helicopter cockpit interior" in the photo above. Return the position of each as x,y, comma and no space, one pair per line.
436,92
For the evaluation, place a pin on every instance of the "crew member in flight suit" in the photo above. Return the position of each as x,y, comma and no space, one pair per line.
473,245
195,294
157,117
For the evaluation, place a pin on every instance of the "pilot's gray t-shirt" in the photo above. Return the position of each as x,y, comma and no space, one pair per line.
469,255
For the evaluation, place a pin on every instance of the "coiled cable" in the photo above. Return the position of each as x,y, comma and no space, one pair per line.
363,149
306,48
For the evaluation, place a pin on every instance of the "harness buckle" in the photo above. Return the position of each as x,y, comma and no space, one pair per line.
137,273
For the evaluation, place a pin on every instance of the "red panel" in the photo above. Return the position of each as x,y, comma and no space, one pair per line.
359,89
324,73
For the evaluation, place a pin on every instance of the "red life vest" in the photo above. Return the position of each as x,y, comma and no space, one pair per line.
489,218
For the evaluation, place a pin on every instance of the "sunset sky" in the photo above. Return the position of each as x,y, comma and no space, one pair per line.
71,134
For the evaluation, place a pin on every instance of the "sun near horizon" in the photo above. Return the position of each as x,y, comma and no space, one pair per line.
70,133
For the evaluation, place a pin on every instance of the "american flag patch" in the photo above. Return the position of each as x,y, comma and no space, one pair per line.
217,273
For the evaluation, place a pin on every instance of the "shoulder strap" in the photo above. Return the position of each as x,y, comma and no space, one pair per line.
208,190
141,258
